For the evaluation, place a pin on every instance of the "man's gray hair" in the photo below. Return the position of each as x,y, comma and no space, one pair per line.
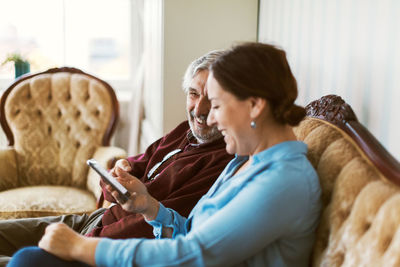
202,63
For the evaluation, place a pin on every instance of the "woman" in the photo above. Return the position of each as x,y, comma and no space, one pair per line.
262,210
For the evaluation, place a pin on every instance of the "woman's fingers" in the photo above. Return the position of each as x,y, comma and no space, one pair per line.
117,197
124,165
121,164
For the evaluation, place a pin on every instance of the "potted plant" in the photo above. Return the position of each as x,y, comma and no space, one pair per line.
21,65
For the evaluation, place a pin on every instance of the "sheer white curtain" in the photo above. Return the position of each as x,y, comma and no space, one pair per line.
135,109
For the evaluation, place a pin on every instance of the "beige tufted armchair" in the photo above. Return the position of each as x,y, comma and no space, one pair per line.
360,221
54,121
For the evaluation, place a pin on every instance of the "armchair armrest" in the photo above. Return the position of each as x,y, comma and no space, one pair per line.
106,157
8,169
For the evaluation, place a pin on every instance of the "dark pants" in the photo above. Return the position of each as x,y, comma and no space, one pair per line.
36,257
18,233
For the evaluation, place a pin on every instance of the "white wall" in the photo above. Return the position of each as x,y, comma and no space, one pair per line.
344,47
175,33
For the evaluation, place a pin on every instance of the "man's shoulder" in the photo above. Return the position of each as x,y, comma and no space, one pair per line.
182,127
176,135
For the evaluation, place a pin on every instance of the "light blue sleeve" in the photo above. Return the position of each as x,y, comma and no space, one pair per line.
168,218
257,215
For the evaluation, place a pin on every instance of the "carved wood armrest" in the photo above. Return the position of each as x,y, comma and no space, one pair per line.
335,110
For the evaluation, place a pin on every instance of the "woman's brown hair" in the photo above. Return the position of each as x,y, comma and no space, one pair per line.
260,70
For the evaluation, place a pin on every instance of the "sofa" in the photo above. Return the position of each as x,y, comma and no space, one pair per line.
360,219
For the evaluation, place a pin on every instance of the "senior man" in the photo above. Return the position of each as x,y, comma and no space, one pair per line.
177,170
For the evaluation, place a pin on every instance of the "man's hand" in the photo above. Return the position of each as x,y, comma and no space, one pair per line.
63,242
140,201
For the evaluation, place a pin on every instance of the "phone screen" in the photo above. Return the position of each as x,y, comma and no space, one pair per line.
109,179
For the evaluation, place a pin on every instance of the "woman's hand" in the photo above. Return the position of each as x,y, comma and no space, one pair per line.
63,242
140,201
122,164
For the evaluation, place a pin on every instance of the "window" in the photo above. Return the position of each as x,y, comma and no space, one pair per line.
92,35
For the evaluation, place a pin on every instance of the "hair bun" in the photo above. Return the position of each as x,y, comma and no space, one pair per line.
294,115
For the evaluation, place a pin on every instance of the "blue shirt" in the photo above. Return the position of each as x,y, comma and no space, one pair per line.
265,215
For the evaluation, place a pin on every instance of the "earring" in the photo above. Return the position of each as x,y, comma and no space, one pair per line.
253,124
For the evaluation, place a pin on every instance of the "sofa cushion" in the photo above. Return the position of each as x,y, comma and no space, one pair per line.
37,201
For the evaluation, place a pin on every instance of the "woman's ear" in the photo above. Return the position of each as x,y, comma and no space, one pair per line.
258,105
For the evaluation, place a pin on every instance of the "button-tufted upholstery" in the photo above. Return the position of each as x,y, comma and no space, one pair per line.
360,222
54,121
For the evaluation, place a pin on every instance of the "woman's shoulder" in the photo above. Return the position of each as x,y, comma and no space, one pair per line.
287,161
294,177
295,186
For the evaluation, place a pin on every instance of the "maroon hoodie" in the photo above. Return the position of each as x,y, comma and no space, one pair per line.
178,183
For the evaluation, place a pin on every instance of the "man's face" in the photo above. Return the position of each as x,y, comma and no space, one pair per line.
198,107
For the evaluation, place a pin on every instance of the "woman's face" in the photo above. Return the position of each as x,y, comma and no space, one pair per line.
231,116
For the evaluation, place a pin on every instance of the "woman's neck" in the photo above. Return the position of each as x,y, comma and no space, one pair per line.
267,137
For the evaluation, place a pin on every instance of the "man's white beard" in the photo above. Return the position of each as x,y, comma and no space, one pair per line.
211,135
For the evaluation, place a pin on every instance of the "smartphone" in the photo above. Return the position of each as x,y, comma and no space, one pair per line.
109,179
